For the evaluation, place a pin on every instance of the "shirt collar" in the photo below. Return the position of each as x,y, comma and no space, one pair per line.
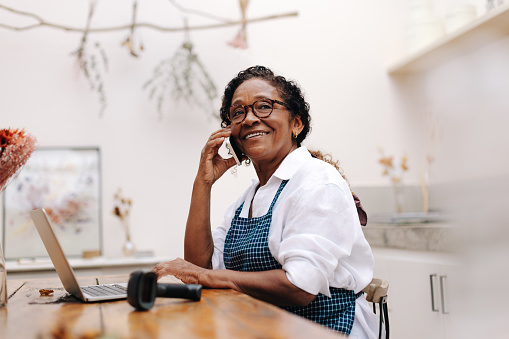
292,163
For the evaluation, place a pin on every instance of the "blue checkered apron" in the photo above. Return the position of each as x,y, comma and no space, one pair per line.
246,248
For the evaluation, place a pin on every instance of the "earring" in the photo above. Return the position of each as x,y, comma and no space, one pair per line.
295,134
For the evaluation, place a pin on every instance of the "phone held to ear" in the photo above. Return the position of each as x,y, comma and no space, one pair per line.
234,151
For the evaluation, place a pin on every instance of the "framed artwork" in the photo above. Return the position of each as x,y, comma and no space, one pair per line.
67,183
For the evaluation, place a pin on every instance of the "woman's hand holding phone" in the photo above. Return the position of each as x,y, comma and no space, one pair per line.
212,165
198,243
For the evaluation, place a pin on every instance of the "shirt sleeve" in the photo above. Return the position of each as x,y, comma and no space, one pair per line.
317,234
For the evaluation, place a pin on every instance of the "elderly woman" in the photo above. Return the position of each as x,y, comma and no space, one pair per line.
293,238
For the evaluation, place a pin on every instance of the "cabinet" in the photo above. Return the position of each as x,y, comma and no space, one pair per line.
419,296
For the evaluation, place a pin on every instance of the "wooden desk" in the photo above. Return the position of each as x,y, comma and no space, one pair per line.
220,314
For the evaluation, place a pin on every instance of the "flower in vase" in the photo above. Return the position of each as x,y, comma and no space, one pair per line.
122,206
121,210
394,170
16,147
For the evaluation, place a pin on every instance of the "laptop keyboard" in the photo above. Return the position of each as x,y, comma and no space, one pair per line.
104,290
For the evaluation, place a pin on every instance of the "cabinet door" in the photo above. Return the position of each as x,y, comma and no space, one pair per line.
414,300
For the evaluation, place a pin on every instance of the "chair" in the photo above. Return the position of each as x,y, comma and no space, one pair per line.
376,292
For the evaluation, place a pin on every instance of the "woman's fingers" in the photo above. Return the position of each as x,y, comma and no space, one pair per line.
211,148
223,132
212,165
217,138
179,268
162,269
230,162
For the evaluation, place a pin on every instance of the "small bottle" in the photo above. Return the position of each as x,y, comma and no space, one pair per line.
3,279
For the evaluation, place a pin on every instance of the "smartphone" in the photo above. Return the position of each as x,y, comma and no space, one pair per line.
234,151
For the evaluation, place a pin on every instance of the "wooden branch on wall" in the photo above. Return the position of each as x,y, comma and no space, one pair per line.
42,23
182,71
183,9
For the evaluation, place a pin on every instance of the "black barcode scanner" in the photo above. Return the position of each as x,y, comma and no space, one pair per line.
143,288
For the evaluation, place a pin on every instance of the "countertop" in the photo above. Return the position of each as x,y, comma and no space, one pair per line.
427,237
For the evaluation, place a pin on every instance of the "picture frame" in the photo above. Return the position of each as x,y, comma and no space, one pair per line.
66,181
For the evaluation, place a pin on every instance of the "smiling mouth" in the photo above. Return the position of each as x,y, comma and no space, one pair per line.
252,135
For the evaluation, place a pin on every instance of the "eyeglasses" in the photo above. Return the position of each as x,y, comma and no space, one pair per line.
261,108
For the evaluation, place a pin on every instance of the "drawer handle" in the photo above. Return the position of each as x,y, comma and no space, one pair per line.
442,293
431,278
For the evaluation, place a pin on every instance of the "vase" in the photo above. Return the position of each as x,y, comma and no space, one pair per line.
425,190
128,248
3,279
398,196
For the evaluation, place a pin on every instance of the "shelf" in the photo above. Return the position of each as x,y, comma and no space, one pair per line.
78,263
488,28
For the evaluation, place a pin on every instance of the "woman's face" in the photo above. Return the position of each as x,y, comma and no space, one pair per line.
264,139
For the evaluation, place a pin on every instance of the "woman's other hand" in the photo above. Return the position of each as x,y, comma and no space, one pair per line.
212,165
185,271
272,286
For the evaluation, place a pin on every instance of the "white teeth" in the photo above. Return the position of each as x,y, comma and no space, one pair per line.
254,135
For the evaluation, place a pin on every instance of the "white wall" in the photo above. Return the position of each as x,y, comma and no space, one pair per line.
336,50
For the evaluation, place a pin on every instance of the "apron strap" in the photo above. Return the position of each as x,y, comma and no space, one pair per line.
283,184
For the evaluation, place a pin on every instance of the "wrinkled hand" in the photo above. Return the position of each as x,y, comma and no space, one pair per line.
185,271
212,165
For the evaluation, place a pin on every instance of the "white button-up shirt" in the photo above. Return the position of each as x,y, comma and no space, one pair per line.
315,232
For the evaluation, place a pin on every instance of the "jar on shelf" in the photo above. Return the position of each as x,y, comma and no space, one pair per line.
423,27
492,4
459,16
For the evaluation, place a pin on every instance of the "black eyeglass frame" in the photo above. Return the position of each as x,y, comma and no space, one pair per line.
272,101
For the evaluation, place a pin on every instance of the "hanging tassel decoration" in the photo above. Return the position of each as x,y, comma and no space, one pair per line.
240,40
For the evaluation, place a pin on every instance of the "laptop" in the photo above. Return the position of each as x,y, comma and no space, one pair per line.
64,270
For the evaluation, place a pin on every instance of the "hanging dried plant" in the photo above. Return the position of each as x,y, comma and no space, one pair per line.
240,40
183,72
129,42
184,77
93,62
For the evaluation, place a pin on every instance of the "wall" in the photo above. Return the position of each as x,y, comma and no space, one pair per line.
337,50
